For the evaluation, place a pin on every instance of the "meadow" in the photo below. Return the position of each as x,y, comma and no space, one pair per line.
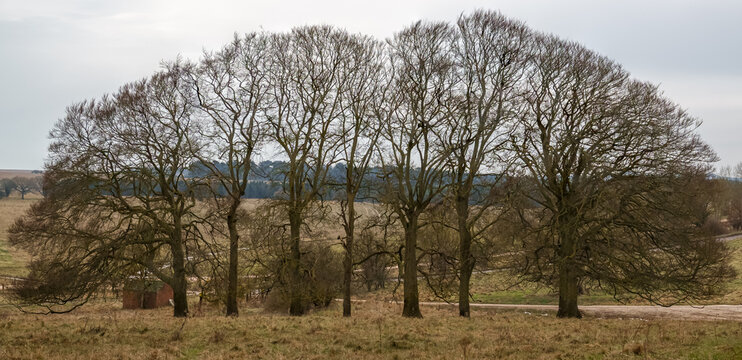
103,329
12,260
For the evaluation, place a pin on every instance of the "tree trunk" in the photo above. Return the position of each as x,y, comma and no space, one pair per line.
467,261
295,282
348,261
467,267
179,284
347,277
411,296
568,290
232,278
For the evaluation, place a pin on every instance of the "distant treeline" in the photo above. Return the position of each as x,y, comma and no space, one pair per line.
266,177
23,185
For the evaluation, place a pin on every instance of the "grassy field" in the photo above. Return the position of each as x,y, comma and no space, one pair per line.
104,330
735,286
12,261
497,288
9,174
486,288
493,288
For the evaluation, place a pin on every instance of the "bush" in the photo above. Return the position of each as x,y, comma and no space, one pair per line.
322,269
714,227
735,213
269,242
375,269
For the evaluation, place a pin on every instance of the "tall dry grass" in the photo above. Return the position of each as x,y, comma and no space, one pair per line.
375,331
12,261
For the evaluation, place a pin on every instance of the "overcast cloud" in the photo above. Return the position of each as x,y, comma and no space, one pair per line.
54,53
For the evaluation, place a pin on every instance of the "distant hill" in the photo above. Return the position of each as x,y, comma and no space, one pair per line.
716,177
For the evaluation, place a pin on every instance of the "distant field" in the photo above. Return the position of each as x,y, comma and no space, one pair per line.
485,288
7,174
12,261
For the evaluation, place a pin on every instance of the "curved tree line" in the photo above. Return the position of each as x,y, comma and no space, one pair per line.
482,129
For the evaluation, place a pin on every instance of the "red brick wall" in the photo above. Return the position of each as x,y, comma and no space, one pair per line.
164,296
133,299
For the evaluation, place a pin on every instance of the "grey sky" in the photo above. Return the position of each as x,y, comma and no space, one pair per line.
54,53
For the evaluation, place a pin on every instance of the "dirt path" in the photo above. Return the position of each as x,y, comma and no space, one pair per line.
731,237
679,312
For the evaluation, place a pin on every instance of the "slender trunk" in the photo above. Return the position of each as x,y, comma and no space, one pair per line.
295,282
467,260
411,297
467,266
232,278
348,261
568,290
347,277
179,284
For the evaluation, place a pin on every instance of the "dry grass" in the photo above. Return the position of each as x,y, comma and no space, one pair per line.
9,174
104,330
12,261
735,286
485,288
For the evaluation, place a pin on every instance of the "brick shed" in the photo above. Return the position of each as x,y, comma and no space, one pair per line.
146,294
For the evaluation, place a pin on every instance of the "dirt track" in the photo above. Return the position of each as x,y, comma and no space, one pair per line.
730,237
679,312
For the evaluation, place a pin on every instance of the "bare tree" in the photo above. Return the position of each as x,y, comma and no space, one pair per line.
77,244
270,249
305,82
610,167
734,207
39,183
230,88
610,175
358,129
491,54
413,122
24,185
375,248
7,186
158,117
732,201
127,159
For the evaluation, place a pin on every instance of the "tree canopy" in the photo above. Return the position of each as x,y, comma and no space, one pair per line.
586,177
